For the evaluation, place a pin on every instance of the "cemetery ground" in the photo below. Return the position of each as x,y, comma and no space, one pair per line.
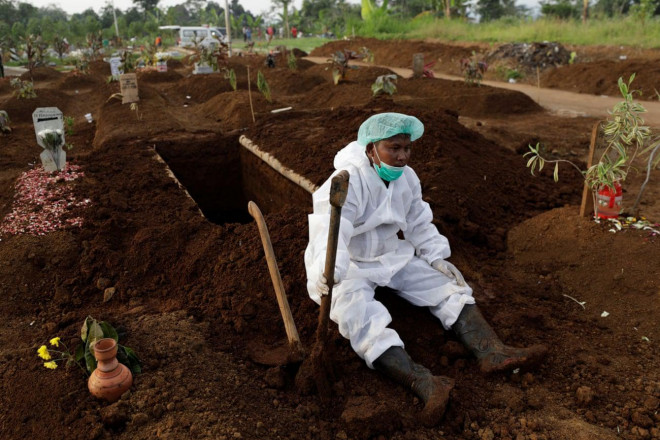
182,274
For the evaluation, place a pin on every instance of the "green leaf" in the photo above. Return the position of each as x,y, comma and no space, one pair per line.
555,175
80,352
95,333
109,331
90,361
85,328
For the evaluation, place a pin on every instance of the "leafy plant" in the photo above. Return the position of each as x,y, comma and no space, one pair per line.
368,55
340,63
95,44
212,55
91,332
82,64
473,69
68,125
625,135
23,89
384,84
263,87
129,61
60,45
230,75
426,70
148,55
30,43
292,61
4,122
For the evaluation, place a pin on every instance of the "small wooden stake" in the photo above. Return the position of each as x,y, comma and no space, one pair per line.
587,205
250,94
538,84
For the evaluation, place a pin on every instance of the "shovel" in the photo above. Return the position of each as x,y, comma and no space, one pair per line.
319,361
294,352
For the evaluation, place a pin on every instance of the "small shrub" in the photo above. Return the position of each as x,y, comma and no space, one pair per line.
263,87
230,75
292,62
473,69
339,64
384,84
23,89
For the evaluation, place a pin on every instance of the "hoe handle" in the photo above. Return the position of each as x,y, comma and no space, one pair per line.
338,191
289,324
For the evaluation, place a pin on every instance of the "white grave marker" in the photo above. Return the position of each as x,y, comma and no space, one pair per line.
49,129
115,64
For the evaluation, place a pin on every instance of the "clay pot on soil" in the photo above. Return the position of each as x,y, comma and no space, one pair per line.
111,379
608,201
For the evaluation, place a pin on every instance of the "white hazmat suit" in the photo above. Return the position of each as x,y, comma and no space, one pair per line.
370,254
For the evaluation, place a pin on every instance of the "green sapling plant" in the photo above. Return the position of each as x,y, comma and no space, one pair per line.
292,61
473,69
263,87
625,138
23,89
384,84
230,75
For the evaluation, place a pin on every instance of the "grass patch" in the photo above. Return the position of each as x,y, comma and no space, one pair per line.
623,31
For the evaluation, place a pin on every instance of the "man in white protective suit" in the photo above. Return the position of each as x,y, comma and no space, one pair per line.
384,197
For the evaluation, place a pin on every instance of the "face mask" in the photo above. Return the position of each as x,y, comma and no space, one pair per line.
385,171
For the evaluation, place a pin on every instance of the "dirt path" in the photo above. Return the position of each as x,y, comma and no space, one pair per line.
561,102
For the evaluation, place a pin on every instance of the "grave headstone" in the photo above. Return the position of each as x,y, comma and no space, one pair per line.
202,68
129,88
49,129
115,67
418,65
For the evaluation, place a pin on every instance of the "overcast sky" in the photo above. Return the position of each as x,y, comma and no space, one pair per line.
254,6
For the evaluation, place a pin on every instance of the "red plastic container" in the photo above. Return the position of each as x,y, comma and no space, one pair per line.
608,201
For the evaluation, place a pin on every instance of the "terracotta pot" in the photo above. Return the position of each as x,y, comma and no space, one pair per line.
110,379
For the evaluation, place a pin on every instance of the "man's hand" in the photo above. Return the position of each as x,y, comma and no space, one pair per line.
322,284
449,270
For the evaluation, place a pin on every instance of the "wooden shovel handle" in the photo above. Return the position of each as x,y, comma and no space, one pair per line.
289,324
338,191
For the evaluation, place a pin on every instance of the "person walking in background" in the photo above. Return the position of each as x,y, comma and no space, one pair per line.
159,41
294,32
270,32
248,35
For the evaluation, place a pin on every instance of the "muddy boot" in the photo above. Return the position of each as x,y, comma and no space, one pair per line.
433,390
479,337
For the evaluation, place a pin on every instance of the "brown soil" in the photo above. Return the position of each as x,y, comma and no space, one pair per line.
193,293
595,70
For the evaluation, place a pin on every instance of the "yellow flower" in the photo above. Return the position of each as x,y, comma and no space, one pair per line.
43,353
55,341
52,365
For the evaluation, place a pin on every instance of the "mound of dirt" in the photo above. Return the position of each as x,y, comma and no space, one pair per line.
41,73
151,76
601,77
99,67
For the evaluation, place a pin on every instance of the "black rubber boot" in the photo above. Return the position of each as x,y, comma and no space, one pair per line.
479,337
433,390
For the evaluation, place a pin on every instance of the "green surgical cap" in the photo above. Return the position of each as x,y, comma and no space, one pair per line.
386,125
